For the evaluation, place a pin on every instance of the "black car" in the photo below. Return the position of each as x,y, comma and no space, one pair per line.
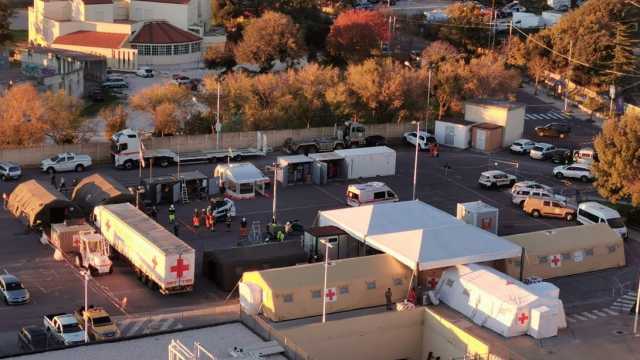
562,156
32,338
97,95
375,140
560,130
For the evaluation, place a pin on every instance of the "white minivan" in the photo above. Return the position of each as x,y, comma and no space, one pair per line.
370,193
593,213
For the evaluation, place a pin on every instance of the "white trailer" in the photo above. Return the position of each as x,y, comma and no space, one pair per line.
125,152
160,260
368,162
560,5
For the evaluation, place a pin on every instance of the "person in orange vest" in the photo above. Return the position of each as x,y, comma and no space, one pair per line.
209,220
435,150
203,217
196,219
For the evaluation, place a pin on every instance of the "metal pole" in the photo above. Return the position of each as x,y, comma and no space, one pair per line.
86,307
218,119
635,320
150,169
275,191
415,163
324,288
566,83
428,98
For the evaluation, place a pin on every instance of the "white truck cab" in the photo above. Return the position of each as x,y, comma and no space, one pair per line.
64,328
592,212
66,162
370,193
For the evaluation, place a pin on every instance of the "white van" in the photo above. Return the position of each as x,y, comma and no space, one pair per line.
370,193
585,156
593,213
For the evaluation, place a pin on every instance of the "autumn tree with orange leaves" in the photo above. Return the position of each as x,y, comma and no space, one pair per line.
355,34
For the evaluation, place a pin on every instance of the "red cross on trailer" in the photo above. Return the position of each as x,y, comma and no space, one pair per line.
76,241
523,318
179,268
556,261
331,294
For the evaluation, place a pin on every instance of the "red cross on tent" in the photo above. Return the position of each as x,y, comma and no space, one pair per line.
523,318
76,241
331,295
432,282
179,268
556,261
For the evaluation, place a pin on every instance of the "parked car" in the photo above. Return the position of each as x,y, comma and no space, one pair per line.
562,156
115,84
145,72
522,146
66,162
97,95
12,291
63,329
575,171
223,207
10,170
182,80
496,178
113,77
560,130
32,338
520,196
99,324
538,207
592,212
529,185
542,151
424,140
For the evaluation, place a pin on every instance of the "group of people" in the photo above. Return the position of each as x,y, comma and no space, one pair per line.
61,185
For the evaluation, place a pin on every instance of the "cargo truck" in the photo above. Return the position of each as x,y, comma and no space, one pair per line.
351,134
126,148
81,245
160,259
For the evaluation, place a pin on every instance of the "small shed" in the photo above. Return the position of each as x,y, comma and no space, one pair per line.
162,189
343,245
40,204
241,180
296,292
508,114
567,251
99,189
294,169
196,182
225,266
486,137
368,161
480,214
328,166
454,132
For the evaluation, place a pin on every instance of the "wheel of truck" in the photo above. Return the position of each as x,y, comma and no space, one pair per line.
93,271
237,157
111,270
164,162
569,217
78,261
312,149
51,170
128,165
79,168
535,213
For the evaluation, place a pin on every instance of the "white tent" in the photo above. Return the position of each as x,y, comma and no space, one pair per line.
241,180
501,303
419,235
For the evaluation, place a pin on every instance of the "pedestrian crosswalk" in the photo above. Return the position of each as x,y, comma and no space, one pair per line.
620,307
147,325
551,115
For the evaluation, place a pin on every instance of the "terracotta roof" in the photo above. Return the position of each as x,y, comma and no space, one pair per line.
168,1
92,39
161,32
97,2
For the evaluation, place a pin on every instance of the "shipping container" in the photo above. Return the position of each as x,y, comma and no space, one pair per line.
368,162
159,258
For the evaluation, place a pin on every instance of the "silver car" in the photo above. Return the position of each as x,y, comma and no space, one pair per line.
12,290
10,171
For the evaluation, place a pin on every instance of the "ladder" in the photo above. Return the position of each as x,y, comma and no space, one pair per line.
255,232
183,192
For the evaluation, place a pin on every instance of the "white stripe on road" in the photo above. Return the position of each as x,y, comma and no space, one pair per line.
579,317
611,312
630,296
544,116
532,116
135,328
625,301
570,319
600,313
589,315
166,324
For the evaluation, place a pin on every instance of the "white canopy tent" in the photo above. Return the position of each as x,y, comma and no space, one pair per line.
241,180
419,235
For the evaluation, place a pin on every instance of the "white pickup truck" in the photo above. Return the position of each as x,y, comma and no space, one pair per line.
64,328
65,162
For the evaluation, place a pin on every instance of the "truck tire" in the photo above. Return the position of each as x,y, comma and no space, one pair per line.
128,165
51,170
93,271
164,162
535,213
79,168
338,147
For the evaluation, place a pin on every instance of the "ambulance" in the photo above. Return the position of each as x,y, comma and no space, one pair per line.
370,193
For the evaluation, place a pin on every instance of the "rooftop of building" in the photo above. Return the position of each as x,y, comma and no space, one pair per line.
63,52
497,103
92,39
162,32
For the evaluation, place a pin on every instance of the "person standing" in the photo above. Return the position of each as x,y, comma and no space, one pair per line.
387,296
213,222
175,229
195,221
53,180
5,199
172,214
209,220
61,184
203,217
154,213
243,227
228,221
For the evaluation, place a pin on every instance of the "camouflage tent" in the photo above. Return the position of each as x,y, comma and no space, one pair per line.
99,189
40,204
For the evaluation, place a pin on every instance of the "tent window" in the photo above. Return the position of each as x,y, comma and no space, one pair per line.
543,259
588,252
566,256
612,248
315,294
288,298
371,285
344,290
397,282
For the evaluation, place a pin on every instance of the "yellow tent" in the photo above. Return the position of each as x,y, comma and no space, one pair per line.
296,291
567,251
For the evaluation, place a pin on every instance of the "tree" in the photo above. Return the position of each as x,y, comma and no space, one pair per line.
449,86
115,119
22,116
618,169
311,83
151,97
515,52
217,56
355,33
624,61
466,26
165,119
438,52
271,37
63,117
487,77
5,20
537,67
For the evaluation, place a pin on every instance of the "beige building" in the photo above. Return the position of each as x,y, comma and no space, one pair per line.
127,33
509,115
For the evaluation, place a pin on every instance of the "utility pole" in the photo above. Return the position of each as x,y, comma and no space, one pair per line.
275,192
86,306
510,34
415,163
566,83
491,32
429,98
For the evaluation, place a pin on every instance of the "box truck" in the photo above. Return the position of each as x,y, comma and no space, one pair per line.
159,258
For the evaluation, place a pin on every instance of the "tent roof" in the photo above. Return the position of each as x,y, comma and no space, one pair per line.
32,196
243,172
419,234
190,175
293,159
98,189
345,270
566,239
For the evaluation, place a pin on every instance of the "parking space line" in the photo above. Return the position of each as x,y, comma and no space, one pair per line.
599,313
570,319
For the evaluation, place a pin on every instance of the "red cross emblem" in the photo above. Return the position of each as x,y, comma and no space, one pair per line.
331,294
432,282
556,261
523,318
76,241
179,268
155,262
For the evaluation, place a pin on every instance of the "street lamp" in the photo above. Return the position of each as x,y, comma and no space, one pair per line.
86,305
324,288
275,190
415,162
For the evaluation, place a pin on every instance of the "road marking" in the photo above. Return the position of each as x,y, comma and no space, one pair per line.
570,319
589,315
579,317
166,324
136,327
625,301
611,312
600,313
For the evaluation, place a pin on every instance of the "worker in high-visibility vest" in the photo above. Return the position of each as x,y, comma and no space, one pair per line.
196,219
213,222
172,214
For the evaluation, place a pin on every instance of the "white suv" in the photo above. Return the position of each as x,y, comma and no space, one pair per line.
518,197
541,151
529,185
576,171
495,178
522,146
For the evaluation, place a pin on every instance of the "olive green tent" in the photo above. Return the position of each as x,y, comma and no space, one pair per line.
39,203
99,189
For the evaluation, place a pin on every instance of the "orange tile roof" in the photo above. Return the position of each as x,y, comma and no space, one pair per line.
161,32
92,39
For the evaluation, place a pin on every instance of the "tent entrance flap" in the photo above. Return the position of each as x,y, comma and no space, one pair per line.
57,214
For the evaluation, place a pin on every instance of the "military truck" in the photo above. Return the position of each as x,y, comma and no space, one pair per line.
350,134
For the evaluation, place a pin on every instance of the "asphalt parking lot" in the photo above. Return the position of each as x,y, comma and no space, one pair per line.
58,287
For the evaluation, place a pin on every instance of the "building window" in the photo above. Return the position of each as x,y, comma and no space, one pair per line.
195,47
344,290
371,285
181,49
288,298
154,50
315,294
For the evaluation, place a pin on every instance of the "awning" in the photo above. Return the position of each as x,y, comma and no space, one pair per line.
243,173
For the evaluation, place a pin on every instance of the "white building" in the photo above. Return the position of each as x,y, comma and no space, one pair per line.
127,32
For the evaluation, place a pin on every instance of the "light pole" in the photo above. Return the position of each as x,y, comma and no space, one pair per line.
428,98
415,162
275,192
324,288
218,125
86,306
635,320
